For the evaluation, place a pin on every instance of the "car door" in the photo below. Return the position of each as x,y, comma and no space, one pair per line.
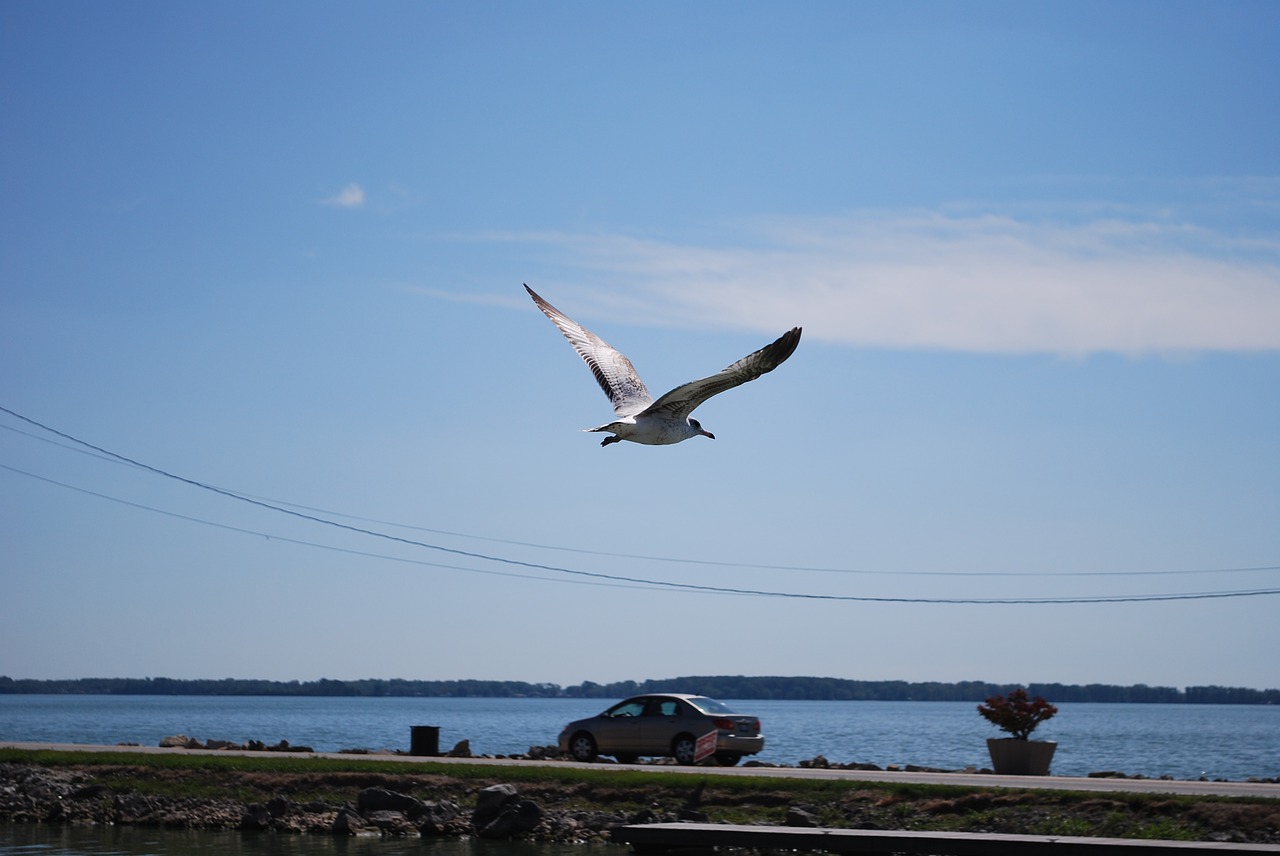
618,728
663,719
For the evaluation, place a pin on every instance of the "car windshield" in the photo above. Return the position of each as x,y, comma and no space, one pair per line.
709,705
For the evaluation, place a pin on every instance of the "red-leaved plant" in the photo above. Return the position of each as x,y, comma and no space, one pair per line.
1016,713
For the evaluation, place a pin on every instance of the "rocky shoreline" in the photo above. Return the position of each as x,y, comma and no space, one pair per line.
573,810
33,794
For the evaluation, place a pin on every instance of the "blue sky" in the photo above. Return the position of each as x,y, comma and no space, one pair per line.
278,250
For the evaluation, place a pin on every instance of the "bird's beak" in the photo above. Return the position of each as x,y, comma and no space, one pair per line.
708,434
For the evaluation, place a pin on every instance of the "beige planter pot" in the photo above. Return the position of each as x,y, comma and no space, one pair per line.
1013,757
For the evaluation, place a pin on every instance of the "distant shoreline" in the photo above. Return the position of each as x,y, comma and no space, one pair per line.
724,687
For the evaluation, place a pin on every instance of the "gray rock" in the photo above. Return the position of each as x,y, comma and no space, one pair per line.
517,818
439,817
256,816
490,802
501,813
797,816
348,823
391,822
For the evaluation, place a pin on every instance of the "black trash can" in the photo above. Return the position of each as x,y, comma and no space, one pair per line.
424,740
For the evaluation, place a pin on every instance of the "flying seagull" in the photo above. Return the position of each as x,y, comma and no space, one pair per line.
667,420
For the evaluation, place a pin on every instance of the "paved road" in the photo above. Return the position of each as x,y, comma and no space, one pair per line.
978,780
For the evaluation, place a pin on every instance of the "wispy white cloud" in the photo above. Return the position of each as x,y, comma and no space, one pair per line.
928,280
351,196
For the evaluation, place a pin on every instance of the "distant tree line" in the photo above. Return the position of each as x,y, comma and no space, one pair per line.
725,687
838,689
242,687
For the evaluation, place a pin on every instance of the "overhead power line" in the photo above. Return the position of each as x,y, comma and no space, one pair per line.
596,575
298,541
611,554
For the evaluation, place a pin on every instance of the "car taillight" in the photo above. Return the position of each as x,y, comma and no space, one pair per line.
725,724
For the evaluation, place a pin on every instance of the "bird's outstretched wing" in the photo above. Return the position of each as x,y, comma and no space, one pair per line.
613,371
682,400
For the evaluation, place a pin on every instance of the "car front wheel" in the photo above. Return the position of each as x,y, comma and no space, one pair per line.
684,748
582,747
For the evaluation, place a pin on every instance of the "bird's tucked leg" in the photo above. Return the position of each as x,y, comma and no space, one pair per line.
607,440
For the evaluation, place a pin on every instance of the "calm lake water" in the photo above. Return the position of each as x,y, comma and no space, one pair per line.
1183,741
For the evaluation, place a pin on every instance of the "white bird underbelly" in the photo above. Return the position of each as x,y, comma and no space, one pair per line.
650,432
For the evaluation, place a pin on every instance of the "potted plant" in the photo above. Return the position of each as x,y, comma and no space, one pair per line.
1019,715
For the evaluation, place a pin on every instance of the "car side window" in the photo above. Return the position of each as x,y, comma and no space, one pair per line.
661,707
634,708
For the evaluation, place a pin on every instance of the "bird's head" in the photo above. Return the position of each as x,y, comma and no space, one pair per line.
697,426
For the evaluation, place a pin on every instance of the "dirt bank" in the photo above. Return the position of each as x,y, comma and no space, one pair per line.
584,809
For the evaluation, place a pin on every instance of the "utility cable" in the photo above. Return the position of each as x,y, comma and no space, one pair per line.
616,580
637,580
608,554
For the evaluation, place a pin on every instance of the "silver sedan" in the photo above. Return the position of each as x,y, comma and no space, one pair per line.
663,724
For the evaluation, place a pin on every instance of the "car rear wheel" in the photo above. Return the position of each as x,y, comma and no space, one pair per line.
582,747
727,759
684,748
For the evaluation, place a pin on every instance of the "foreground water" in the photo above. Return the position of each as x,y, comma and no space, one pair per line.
38,840
1183,741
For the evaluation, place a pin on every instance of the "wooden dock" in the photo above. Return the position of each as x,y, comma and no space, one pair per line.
669,837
